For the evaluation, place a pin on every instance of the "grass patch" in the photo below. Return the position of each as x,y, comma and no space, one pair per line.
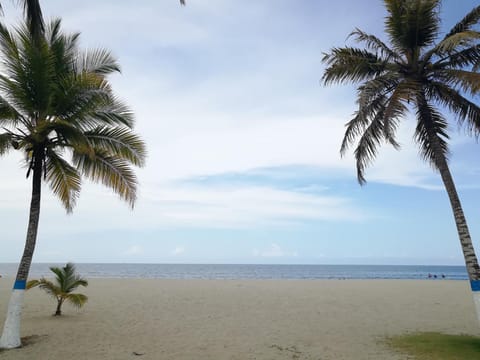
437,346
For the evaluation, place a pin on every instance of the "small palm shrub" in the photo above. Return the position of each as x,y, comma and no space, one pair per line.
65,282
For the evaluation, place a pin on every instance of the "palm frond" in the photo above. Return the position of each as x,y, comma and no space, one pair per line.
9,116
372,98
431,134
467,81
374,43
395,109
119,141
367,147
77,300
111,171
34,16
5,143
88,102
357,126
98,61
64,180
46,285
466,111
461,59
412,24
63,48
471,19
351,65
457,41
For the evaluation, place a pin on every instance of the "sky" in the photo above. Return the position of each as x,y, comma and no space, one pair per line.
243,145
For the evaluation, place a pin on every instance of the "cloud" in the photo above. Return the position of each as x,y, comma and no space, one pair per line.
178,250
134,250
274,251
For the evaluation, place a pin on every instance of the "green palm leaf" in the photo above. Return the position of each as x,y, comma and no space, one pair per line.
64,180
5,143
119,141
351,65
111,171
77,300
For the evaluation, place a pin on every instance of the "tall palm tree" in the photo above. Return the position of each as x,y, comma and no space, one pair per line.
58,109
61,289
420,72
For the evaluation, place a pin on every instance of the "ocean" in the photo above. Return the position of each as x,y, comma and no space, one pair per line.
230,271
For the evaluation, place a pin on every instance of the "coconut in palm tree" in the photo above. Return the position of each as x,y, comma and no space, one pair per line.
61,289
420,72
58,109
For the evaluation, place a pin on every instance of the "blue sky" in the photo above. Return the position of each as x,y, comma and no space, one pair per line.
243,144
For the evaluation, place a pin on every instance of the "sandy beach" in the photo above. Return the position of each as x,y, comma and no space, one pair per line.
236,319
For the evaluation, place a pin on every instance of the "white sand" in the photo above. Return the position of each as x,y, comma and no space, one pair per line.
254,319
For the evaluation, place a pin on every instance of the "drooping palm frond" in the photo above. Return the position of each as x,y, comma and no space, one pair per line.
119,141
351,65
466,111
110,170
466,81
9,116
5,143
64,180
431,134
368,144
77,300
49,287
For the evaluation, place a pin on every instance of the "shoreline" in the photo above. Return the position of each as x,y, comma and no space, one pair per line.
240,319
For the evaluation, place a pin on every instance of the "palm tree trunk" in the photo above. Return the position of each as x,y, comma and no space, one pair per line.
58,312
471,261
11,330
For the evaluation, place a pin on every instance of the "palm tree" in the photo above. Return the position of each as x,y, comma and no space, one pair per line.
66,281
58,109
416,72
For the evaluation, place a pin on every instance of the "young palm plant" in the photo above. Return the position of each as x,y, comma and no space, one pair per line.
417,71
58,109
66,281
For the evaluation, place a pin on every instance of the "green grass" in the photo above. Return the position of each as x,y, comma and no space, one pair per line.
437,346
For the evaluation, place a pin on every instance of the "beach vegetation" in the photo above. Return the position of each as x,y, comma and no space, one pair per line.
61,289
419,71
58,109
436,346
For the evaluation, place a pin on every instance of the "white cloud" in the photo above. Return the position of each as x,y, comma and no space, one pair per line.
134,250
178,250
274,251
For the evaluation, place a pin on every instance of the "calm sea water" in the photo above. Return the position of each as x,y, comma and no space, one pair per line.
216,271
